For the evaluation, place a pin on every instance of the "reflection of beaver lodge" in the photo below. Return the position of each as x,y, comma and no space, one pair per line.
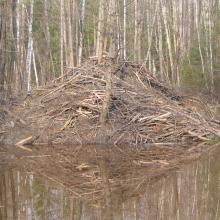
95,172
132,107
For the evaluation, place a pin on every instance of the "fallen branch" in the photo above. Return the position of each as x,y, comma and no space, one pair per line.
27,141
198,136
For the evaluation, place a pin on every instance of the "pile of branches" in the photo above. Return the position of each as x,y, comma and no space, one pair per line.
142,109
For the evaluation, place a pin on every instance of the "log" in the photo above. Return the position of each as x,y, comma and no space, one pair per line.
27,141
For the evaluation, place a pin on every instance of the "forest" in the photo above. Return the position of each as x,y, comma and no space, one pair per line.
177,41
109,109
89,71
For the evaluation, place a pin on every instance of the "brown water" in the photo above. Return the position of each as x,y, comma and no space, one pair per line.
191,192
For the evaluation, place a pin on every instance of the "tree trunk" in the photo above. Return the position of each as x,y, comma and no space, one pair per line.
29,50
107,99
199,38
112,28
125,30
160,45
81,38
35,69
61,36
210,40
2,46
47,75
70,35
17,46
168,41
100,31
22,45
137,31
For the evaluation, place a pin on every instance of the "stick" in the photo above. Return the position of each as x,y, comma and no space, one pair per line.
198,136
27,141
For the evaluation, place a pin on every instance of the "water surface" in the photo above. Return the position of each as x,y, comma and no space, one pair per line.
189,193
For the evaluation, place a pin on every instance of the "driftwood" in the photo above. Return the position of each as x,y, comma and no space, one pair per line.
27,141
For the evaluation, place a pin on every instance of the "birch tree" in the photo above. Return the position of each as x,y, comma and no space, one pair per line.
2,46
100,30
112,28
137,30
125,29
168,40
70,33
177,40
29,49
61,36
81,21
48,68
17,47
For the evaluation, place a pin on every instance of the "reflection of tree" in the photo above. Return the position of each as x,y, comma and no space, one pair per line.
40,195
75,209
213,184
107,212
13,193
3,213
190,193
49,201
22,196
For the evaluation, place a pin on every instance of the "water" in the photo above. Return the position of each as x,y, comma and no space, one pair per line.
191,192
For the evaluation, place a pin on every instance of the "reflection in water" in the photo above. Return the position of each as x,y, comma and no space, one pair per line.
191,193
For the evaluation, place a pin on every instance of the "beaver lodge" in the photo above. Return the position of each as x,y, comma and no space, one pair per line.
110,104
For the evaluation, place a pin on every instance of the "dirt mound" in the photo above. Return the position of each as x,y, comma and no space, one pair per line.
142,110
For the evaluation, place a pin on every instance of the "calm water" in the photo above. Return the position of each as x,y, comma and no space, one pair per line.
190,193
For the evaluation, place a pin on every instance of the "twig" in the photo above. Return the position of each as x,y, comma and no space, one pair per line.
27,141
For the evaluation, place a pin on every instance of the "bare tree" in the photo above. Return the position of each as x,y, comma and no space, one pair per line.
112,28
29,49
100,30
70,34
81,21
137,30
167,36
125,29
48,60
61,37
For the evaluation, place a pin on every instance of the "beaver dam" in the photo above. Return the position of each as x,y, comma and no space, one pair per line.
110,104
